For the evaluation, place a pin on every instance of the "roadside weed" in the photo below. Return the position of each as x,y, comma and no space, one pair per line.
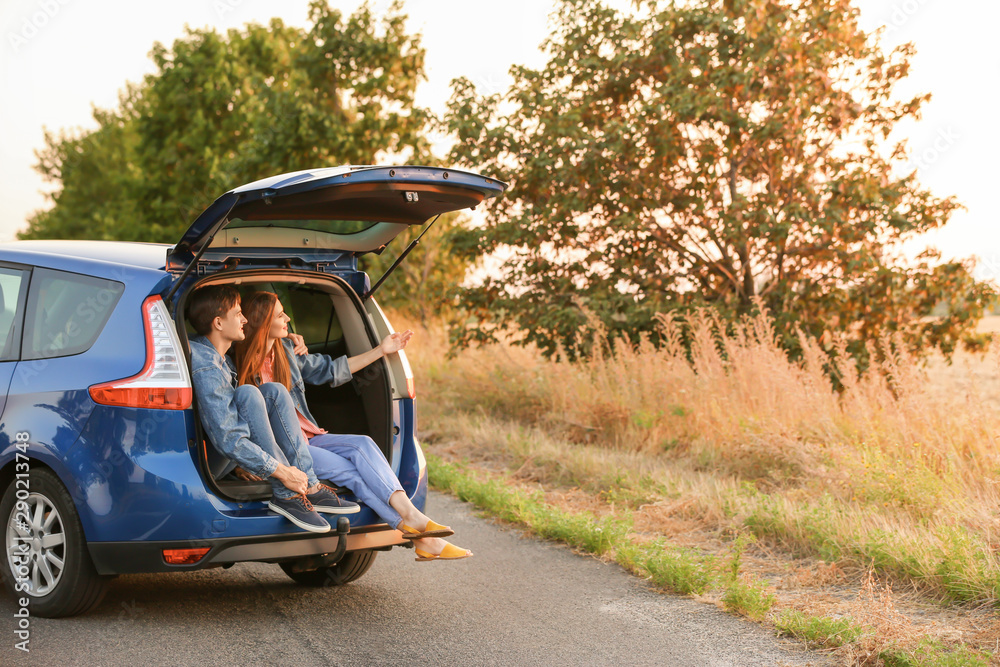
675,569
817,631
748,596
930,653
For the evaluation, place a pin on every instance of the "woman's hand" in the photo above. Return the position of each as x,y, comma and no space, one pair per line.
395,342
299,342
389,345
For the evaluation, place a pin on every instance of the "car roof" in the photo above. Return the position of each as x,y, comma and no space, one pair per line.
144,255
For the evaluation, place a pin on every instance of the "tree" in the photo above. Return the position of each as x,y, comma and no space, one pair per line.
223,110
724,153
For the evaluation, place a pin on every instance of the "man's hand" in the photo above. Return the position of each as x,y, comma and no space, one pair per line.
395,342
246,476
294,479
299,342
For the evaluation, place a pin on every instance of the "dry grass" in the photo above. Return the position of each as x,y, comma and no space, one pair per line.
900,472
875,610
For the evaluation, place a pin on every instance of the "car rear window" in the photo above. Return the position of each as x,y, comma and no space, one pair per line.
66,312
11,283
340,227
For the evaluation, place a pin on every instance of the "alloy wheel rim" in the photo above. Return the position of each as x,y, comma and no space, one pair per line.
41,562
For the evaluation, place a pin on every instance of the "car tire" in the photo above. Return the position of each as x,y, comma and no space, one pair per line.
351,567
58,565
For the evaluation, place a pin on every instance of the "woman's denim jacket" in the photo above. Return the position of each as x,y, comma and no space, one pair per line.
314,369
214,378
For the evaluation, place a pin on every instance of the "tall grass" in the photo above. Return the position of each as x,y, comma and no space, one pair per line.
892,469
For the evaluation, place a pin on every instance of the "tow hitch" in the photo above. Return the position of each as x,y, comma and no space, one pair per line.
326,560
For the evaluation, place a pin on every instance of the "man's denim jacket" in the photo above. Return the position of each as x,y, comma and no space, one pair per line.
314,369
214,379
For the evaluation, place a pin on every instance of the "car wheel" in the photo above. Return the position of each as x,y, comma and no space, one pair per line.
351,567
46,554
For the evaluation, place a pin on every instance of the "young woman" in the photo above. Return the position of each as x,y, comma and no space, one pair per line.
354,461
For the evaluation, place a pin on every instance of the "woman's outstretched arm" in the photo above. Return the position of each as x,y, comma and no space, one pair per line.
390,344
322,369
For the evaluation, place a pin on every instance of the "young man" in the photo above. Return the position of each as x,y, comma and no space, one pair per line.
248,424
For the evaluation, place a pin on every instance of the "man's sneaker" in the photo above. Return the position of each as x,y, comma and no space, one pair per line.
299,511
327,501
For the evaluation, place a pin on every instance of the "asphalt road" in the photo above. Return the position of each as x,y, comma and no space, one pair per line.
519,601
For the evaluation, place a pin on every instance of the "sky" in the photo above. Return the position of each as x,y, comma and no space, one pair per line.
58,58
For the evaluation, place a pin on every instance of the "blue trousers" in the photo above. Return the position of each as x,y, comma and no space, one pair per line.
274,427
356,462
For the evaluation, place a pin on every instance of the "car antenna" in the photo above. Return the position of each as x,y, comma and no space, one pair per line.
399,259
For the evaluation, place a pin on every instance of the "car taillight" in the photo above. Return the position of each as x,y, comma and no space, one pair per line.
184,556
411,390
163,382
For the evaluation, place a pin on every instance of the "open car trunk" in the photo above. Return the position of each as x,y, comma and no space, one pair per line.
330,316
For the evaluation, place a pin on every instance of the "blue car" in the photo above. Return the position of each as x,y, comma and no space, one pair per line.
104,465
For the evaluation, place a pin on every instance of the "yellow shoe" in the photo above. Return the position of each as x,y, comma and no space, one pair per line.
450,552
430,530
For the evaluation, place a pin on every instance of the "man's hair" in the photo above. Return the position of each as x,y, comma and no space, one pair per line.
210,302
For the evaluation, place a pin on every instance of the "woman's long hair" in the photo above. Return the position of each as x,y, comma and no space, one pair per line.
249,353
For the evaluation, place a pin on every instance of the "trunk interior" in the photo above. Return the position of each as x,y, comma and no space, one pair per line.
331,318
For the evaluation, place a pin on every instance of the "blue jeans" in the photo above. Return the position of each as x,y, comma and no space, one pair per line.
356,462
274,427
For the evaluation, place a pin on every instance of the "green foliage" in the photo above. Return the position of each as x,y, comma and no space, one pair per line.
626,491
739,547
748,596
820,631
675,569
725,153
221,110
678,570
581,530
931,653
968,572
494,496
962,570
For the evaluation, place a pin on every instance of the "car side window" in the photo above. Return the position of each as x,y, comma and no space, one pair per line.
313,316
66,312
13,283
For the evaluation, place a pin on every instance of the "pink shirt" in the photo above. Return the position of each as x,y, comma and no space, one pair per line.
267,375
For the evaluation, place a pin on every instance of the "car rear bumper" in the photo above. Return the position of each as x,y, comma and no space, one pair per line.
134,557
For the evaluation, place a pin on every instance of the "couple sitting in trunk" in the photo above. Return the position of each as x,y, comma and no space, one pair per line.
255,413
